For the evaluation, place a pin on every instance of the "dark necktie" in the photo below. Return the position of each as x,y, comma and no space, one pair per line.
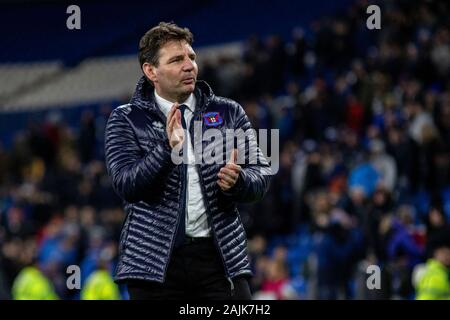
181,231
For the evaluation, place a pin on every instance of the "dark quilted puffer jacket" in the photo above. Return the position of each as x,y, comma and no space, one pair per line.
138,159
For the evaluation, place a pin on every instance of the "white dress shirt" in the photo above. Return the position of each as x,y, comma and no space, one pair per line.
196,218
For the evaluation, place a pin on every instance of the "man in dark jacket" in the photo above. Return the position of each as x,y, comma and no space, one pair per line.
182,237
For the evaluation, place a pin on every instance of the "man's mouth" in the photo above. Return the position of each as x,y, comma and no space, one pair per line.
189,80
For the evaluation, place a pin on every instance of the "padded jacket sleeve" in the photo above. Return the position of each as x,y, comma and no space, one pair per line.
134,174
255,176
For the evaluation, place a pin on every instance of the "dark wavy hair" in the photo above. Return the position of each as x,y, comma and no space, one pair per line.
157,37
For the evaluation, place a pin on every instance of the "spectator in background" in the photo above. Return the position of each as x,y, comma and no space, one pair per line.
100,284
380,206
362,183
277,283
32,284
384,164
436,221
402,254
33,281
433,282
17,224
276,280
339,246
87,137
100,125
298,50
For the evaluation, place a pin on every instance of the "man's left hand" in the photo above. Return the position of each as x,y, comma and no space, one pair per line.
229,174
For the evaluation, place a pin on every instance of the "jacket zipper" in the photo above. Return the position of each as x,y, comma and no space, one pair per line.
208,211
182,207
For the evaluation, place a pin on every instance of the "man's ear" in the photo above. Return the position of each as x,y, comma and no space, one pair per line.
150,71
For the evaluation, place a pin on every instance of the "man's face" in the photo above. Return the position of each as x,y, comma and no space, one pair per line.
443,255
175,76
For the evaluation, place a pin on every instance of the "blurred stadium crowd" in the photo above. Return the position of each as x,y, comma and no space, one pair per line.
364,120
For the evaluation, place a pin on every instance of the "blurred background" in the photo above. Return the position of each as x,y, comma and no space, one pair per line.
364,120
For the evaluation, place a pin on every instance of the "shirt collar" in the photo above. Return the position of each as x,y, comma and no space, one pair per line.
165,105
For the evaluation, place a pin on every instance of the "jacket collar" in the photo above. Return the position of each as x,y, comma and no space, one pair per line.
143,95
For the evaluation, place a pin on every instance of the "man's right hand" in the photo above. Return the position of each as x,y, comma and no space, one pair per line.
174,128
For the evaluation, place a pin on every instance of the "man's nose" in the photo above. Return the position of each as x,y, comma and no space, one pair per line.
188,65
